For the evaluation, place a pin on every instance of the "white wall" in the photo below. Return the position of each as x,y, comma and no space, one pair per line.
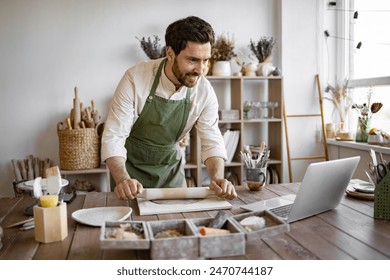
49,47
304,54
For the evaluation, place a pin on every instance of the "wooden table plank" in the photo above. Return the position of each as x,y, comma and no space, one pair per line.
348,232
118,254
86,244
17,244
288,248
369,231
344,241
7,205
320,247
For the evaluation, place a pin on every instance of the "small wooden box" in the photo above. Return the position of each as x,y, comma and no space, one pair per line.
273,225
214,246
183,247
112,243
51,224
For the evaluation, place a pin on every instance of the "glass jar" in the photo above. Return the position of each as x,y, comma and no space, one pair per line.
362,129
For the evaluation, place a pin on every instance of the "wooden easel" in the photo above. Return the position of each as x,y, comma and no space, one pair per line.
314,157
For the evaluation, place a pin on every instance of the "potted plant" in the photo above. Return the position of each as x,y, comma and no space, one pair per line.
365,112
152,48
221,54
262,50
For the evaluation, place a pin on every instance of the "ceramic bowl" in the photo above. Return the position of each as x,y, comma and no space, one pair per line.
254,186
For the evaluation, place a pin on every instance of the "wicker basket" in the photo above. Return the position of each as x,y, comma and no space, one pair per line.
382,199
79,148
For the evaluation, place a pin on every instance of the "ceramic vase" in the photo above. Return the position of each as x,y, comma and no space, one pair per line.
250,69
222,68
362,129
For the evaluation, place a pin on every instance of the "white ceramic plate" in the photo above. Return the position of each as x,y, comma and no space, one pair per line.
364,187
97,216
30,183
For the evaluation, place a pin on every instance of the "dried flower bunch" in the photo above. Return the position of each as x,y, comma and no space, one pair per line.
223,48
152,48
262,49
340,98
366,110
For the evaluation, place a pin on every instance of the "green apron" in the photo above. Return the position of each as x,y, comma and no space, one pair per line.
153,152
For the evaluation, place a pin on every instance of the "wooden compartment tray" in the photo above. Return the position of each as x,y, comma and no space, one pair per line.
214,246
107,242
273,225
182,247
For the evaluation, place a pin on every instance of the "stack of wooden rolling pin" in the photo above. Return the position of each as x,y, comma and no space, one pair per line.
26,170
79,116
29,168
79,136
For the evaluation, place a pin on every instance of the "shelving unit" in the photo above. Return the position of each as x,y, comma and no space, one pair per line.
98,177
232,92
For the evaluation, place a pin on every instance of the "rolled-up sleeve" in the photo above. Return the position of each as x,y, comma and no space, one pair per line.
212,144
119,120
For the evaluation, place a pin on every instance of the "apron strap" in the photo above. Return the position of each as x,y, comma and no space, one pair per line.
186,109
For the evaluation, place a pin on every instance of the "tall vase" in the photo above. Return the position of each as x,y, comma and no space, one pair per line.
362,129
222,68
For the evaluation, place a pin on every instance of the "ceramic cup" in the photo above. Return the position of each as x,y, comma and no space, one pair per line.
256,178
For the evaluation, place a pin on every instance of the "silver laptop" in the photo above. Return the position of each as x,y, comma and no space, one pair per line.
321,189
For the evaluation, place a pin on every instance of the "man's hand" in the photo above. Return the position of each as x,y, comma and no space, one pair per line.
223,188
128,189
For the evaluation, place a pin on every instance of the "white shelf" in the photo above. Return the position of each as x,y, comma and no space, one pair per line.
232,93
359,146
98,177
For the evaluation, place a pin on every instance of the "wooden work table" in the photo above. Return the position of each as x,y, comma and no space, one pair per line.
348,232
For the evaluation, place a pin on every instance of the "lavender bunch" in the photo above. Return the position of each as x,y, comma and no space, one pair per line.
262,49
152,48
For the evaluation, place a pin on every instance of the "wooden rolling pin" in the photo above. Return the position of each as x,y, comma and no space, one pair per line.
94,113
88,119
30,170
176,193
76,110
18,173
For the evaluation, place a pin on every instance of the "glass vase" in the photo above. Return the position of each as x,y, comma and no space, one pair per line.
362,129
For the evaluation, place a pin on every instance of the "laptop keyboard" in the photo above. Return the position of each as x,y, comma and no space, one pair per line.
282,211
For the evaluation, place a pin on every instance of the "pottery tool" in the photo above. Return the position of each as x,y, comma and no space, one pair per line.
53,180
20,223
37,188
219,220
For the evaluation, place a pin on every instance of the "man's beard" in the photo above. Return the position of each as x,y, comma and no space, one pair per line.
185,79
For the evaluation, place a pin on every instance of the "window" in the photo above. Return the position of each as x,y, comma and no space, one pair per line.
371,28
372,59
